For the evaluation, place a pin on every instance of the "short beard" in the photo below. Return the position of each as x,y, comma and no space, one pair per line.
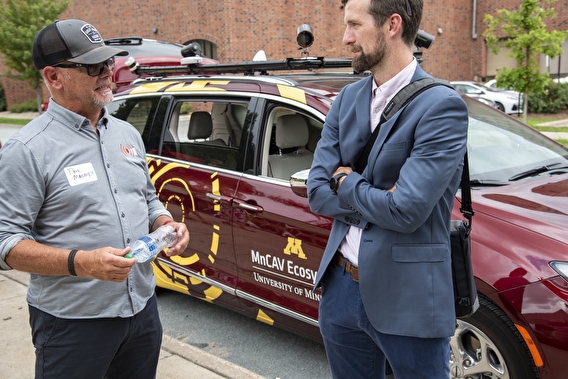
365,62
104,101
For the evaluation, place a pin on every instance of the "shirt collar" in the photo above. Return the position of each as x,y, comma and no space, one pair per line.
73,119
393,85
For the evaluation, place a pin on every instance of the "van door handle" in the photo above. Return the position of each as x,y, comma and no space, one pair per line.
220,198
247,206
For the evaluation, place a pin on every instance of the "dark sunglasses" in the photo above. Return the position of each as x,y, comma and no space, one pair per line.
92,69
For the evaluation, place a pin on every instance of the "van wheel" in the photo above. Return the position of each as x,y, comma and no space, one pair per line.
487,345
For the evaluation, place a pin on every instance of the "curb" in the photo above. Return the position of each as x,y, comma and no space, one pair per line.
206,360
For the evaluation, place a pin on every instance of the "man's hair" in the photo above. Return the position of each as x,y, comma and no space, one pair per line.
381,10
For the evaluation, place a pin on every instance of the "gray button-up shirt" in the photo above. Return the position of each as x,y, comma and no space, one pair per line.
64,186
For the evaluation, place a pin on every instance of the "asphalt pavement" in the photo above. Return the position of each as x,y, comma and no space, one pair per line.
178,360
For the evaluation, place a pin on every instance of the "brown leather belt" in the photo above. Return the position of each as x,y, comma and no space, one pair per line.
349,267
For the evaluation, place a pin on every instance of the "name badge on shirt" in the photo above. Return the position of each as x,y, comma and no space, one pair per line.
81,173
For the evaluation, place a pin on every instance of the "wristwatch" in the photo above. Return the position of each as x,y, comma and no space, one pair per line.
334,181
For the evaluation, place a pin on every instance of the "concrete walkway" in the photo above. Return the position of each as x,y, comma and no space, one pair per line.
177,359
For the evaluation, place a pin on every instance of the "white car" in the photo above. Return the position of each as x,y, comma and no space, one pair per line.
506,101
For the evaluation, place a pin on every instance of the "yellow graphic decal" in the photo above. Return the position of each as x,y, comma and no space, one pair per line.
292,93
185,261
167,277
214,243
212,293
294,247
151,87
170,279
216,191
263,317
198,85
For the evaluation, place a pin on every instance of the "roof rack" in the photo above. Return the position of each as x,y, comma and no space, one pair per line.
247,67
191,64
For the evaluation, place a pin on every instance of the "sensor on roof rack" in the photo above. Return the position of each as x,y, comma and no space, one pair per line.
304,37
191,54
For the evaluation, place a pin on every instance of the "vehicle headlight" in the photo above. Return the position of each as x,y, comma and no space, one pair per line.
512,97
561,268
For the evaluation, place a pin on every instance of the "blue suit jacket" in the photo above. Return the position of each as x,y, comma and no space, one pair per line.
404,258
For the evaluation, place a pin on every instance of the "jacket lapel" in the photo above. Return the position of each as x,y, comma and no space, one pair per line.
363,110
386,128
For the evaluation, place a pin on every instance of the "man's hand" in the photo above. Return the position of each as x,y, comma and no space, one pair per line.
106,263
182,241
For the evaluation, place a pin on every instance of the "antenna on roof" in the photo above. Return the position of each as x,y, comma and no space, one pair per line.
260,56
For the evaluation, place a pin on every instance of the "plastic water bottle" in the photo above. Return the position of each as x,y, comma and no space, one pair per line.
146,247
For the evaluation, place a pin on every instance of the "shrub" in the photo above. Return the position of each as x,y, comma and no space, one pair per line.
186,108
27,106
552,100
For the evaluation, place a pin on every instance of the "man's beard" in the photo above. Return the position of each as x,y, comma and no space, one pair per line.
364,61
104,100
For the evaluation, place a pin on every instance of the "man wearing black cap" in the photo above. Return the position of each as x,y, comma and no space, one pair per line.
74,193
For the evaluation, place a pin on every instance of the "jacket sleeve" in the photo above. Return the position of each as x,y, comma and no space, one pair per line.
427,164
327,158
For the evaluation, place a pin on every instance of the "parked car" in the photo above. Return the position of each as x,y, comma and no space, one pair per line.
147,52
506,101
229,154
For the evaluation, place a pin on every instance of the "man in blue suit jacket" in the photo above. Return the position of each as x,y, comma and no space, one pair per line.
386,277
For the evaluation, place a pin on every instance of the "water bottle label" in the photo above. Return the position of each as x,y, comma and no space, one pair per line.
150,243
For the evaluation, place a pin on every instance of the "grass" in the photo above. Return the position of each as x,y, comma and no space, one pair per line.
562,129
14,121
536,119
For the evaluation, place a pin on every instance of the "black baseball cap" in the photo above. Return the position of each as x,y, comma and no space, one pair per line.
70,41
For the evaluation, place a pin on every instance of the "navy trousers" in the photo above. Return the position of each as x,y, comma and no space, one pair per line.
356,350
109,348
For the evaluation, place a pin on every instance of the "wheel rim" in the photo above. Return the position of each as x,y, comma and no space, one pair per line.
473,355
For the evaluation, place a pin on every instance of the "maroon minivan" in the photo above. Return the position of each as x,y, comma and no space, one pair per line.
229,155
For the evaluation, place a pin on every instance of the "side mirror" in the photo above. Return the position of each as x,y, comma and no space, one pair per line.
299,183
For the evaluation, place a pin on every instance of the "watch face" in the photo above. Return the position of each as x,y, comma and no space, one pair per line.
332,183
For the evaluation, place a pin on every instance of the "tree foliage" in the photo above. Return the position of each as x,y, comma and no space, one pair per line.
20,21
523,33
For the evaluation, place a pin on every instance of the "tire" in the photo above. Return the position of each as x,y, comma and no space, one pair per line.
500,106
504,355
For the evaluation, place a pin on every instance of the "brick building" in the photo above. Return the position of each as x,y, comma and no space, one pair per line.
239,28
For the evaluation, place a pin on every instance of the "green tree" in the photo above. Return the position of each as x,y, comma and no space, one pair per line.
20,21
524,33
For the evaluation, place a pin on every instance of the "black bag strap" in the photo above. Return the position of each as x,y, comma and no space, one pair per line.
466,208
403,97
